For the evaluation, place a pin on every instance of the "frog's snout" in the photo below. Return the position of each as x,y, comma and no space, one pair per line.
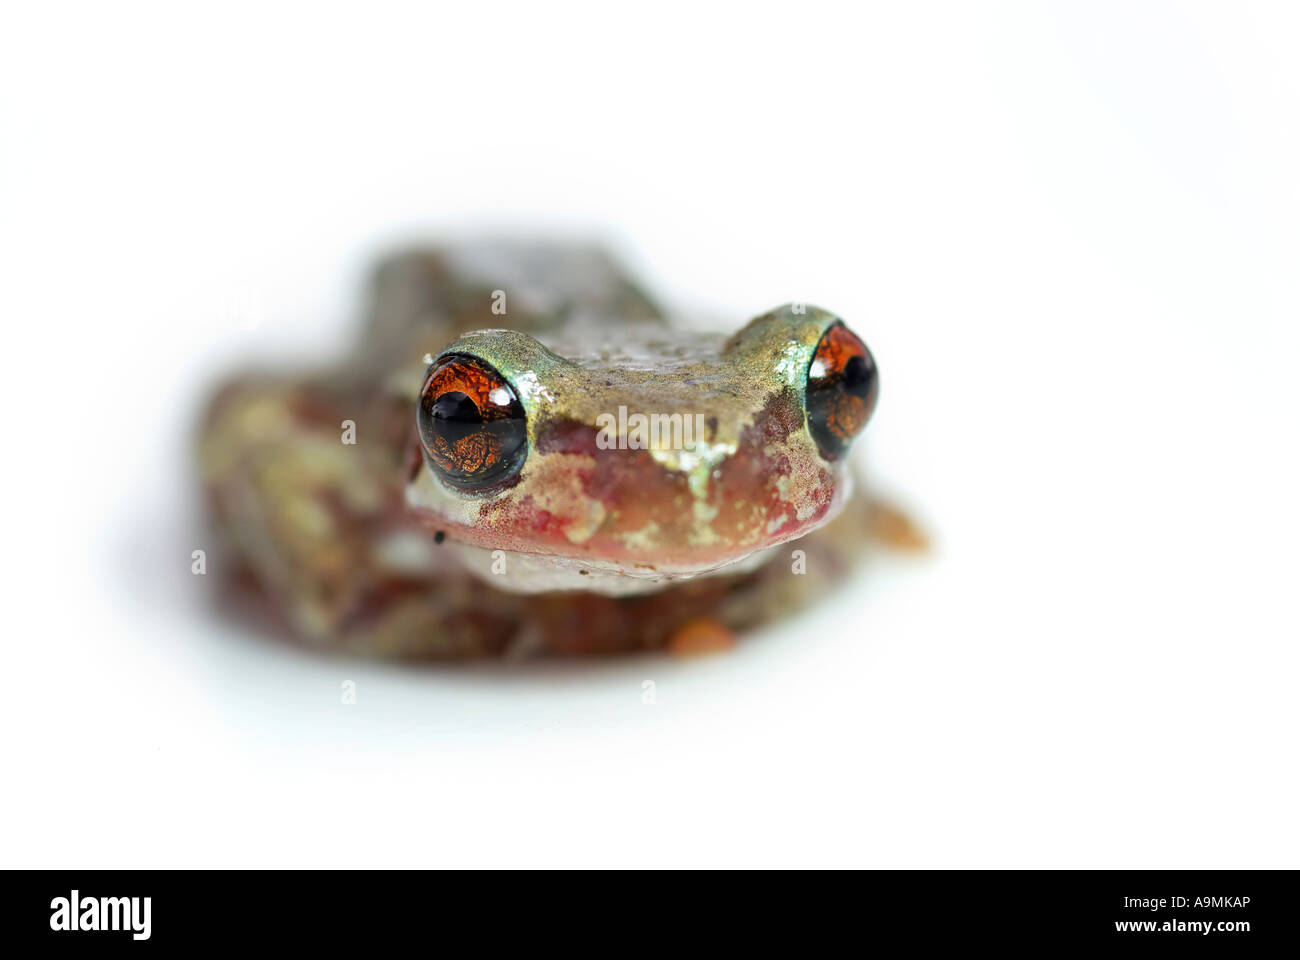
587,496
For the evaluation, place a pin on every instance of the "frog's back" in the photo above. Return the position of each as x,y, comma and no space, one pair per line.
423,298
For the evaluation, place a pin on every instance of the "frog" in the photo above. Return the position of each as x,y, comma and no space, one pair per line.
524,455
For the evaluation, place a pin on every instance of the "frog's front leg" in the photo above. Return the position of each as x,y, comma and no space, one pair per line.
304,487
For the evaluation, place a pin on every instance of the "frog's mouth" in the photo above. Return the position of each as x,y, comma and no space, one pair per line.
532,573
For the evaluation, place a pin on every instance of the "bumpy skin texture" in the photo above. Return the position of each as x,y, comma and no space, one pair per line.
352,546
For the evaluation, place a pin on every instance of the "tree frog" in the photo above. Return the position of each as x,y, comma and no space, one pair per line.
523,456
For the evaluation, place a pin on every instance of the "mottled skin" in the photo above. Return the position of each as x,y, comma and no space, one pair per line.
361,547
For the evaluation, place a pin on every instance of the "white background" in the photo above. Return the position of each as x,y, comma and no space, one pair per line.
1070,234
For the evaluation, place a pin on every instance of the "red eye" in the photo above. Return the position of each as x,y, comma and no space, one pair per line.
841,391
472,425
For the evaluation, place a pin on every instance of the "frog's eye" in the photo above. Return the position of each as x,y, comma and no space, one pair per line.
472,425
841,390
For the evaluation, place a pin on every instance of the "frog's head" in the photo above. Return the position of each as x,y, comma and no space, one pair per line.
618,465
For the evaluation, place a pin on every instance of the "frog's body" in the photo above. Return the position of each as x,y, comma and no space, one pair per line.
597,543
